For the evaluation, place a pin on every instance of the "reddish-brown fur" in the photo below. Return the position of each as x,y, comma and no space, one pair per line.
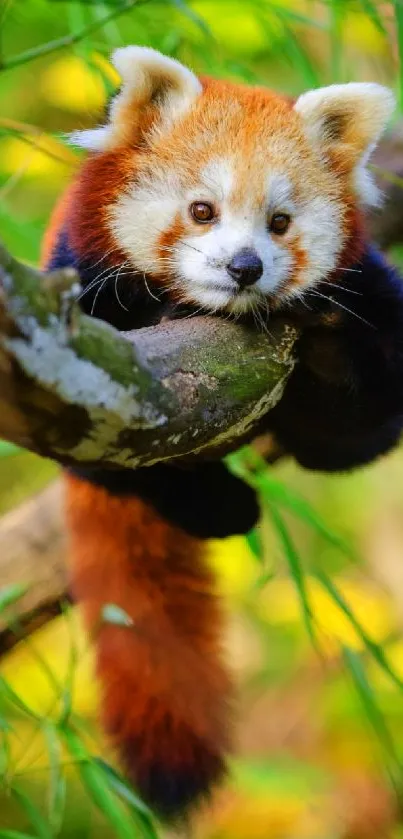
165,694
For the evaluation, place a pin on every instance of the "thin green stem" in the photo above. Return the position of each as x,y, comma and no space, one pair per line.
68,40
398,11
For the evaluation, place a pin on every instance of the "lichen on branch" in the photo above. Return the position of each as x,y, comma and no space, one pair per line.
74,389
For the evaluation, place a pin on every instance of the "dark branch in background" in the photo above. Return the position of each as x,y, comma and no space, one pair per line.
386,224
33,556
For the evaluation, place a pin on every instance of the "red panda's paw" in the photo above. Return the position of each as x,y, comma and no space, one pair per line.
173,770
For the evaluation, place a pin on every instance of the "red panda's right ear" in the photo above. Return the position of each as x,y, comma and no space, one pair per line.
344,123
156,90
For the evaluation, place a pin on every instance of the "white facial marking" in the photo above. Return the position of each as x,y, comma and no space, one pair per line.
202,258
142,214
279,192
197,261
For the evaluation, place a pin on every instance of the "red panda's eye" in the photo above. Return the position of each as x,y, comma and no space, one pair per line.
279,223
202,212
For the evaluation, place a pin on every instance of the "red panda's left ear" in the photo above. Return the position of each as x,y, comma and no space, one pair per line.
344,122
156,90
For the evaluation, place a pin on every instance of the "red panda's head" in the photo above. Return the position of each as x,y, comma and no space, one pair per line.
226,194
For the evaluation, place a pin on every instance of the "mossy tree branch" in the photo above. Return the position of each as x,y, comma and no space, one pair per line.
75,390
161,385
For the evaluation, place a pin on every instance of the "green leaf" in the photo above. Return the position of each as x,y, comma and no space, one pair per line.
98,787
39,824
296,571
296,17
336,17
57,781
7,449
5,751
371,10
295,52
373,648
374,715
247,464
14,698
127,794
255,543
67,693
398,9
190,13
15,834
285,497
11,593
67,40
114,614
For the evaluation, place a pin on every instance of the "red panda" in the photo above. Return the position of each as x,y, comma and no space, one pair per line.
201,195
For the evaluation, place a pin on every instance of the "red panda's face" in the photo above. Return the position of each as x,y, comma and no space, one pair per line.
237,197
228,220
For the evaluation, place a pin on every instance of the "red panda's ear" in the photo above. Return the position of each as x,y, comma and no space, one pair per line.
344,122
155,90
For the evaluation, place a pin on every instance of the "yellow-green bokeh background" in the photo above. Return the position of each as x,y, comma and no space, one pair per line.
313,763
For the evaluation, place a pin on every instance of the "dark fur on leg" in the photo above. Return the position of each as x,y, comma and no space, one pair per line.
343,405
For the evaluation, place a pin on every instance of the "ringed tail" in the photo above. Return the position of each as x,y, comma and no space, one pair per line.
165,693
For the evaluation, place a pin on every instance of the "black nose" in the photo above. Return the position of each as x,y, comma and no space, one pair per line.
245,267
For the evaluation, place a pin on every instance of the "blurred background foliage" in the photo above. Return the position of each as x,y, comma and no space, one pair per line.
315,597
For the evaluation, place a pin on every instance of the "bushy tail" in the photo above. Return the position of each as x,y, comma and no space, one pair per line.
165,692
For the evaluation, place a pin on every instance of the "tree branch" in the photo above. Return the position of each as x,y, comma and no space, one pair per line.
74,389
33,553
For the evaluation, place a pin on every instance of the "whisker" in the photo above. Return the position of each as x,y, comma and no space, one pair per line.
344,288
104,256
336,303
262,321
150,292
94,302
190,246
87,289
117,293
301,299
201,309
97,279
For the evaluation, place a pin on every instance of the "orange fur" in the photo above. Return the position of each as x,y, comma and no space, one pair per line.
254,128
57,219
101,179
165,693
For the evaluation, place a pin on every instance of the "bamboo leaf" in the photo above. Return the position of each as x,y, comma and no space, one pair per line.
254,541
15,834
57,781
127,794
36,819
68,40
14,698
373,648
297,573
374,715
11,593
98,787
7,449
